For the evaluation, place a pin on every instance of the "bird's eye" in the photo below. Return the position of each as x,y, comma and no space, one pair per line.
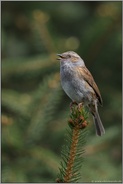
69,56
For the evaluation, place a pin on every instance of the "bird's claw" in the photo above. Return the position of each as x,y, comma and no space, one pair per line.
73,103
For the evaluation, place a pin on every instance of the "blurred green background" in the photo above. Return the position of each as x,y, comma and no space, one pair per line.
35,109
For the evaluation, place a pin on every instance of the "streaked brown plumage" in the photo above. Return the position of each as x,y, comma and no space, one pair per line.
80,86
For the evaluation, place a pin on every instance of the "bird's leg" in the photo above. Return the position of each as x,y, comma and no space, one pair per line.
80,105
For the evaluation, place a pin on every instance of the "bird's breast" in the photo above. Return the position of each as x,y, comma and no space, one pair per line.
76,88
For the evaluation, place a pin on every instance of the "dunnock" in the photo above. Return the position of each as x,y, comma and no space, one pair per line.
79,85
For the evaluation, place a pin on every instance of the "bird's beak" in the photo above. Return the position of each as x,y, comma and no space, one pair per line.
60,56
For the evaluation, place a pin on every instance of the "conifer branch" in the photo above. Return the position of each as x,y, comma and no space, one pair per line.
72,152
72,155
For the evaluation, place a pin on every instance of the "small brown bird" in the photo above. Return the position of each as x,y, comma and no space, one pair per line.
79,85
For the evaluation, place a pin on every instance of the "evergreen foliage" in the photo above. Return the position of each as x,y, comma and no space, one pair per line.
35,109
73,150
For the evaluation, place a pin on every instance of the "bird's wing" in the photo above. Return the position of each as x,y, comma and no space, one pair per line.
86,75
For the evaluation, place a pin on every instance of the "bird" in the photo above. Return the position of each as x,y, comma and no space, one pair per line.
78,83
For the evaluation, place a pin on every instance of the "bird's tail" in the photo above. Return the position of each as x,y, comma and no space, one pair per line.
98,124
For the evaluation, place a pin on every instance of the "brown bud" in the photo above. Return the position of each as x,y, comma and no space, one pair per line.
82,118
84,124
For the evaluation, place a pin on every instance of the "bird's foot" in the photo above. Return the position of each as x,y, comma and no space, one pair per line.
73,103
79,106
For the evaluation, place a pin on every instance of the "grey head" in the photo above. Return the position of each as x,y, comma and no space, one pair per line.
71,57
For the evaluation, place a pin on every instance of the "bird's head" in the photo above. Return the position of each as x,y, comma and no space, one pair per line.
71,57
